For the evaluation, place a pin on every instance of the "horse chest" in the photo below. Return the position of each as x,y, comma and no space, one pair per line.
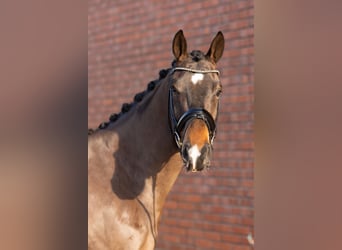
126,229
134,225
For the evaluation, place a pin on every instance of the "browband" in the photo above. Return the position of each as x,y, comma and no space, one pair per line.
194,70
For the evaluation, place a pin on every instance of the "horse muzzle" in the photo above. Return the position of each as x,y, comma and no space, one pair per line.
195,158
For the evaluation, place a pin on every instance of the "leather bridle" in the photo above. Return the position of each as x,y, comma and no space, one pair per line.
177,126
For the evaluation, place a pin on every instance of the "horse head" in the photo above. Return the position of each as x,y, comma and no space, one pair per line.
194,91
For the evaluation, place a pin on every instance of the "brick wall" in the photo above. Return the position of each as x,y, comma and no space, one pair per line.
129,41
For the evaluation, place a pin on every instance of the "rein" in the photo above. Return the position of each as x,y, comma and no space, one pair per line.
177,126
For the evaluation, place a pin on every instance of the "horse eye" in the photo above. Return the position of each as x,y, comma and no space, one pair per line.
218,92
174,90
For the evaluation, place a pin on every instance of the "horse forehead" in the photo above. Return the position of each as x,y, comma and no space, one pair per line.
194,79
197,78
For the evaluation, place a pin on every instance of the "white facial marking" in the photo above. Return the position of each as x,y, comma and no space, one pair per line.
196,78
194,153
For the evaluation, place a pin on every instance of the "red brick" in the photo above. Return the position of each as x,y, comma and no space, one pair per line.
234,238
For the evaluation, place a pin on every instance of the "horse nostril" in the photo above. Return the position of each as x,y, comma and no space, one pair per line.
206,155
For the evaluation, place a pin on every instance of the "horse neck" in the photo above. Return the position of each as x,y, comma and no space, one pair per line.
151,149
146,130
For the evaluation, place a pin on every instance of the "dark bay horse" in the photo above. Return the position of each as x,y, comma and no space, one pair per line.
135,158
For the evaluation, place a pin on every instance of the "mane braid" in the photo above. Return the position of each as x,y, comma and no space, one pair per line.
126,107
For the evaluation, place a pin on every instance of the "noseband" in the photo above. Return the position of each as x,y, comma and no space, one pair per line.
194,113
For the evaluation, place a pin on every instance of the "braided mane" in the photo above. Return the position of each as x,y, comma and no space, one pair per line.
126,107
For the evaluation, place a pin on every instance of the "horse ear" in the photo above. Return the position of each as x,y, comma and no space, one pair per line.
216,47
179,46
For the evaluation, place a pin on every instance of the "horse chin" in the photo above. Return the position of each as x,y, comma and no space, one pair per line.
189,167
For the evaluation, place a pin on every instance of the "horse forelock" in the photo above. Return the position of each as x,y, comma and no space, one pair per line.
193,56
